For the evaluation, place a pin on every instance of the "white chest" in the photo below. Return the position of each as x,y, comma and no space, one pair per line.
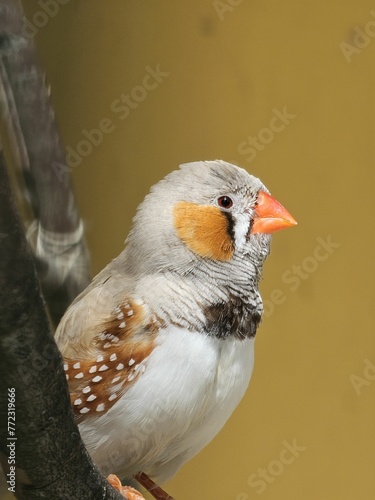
191,385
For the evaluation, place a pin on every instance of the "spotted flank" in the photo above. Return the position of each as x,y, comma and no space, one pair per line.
123,346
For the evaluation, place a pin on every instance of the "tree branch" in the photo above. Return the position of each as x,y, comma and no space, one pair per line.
50,458
57,234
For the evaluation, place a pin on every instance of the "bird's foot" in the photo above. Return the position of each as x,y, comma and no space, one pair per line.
126,491
152,487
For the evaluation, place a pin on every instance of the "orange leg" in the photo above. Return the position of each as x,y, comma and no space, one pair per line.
152,487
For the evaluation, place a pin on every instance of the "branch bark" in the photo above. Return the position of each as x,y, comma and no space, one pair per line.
41,450
56,235
50,458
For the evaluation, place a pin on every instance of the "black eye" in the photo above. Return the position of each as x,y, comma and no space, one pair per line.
225,202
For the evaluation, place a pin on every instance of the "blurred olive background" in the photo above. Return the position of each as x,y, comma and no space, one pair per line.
225,72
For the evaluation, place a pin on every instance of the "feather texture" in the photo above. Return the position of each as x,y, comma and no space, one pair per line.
159,348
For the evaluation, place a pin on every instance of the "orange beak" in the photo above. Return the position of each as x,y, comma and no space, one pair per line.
271,216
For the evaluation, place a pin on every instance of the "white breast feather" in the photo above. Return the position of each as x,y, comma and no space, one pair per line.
191,385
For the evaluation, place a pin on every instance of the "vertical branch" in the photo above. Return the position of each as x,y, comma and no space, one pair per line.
40,446
57,233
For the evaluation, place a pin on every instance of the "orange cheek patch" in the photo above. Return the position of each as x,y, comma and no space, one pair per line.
204,229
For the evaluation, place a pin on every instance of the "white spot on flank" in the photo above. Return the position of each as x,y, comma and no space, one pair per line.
65,366
131,362
122,325
103,368
112,397
100,407
120,366
67,376
130,313
99,358
113,357
98,378
93,369
91,397
116,379
77,365
107,345
138,302
131,377
115,339
77,402
84,410
79,375
117,309
120,316
86,389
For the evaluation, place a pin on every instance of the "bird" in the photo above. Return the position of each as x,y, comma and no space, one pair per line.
159,349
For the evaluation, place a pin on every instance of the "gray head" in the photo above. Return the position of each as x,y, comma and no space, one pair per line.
202,213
